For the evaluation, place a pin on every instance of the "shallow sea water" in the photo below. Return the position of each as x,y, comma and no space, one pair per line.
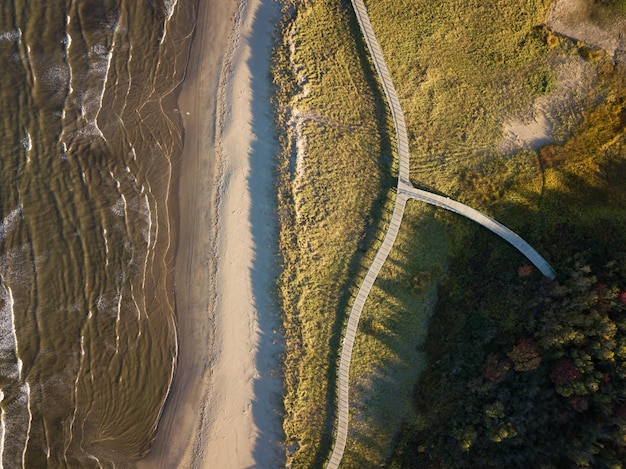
89,148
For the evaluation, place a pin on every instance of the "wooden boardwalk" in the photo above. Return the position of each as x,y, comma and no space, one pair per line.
405,191
498,228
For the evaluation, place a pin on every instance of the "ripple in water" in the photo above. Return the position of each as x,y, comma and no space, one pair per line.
89,149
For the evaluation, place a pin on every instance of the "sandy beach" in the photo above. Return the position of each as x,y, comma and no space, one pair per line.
222,411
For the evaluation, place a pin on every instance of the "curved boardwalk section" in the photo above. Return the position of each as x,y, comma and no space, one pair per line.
351,329
390,237
489,223
405,191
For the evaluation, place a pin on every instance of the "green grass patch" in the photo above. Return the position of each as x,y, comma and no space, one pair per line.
461,68
331,201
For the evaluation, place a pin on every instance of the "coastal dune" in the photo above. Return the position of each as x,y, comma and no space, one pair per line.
222,408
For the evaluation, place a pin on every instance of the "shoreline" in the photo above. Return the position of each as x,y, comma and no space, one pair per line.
221,410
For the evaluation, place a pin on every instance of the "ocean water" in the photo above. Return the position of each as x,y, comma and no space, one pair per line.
89,149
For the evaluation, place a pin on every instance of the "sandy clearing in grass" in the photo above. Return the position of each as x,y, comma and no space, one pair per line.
575,19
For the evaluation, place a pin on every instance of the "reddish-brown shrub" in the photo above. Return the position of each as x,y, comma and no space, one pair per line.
564,372
495,368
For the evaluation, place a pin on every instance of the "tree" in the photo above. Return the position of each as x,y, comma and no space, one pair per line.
525,355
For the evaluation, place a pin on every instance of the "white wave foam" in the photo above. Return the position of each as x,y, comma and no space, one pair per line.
109,56
118,184
10,221
137,308
89,100
10,364
170,5
102,303
68,38
16,421
68,44
11,36
146,214
111,303
106,247
91,456
16,267
27,142
56,76
11,304
129,85
138,205
29,59
118,207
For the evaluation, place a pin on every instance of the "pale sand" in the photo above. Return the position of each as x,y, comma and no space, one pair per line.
222,409
573,18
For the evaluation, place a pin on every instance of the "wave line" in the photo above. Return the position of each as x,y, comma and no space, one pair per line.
30,422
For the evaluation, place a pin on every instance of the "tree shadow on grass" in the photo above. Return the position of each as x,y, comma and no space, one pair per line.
391,332
483,304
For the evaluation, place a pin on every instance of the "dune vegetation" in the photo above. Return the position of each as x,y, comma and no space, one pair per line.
454,306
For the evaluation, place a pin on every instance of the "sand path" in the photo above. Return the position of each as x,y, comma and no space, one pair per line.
221,408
